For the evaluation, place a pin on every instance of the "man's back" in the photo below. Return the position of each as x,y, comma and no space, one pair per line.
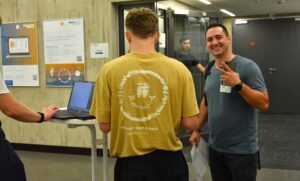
150,93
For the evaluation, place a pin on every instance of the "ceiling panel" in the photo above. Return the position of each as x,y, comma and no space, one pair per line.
249,7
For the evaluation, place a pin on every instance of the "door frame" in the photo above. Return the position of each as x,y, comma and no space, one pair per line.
121,22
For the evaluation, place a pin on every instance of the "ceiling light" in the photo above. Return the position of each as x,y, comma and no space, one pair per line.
227,12
240,21
205,2
181,11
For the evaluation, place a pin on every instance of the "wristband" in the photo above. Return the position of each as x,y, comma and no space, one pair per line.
42,117
198,130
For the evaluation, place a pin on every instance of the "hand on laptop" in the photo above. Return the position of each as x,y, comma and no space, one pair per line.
49,112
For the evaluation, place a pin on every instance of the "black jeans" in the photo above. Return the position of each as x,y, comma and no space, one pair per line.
11,167
156,166
232,167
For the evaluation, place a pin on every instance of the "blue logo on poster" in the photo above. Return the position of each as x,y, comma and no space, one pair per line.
9,82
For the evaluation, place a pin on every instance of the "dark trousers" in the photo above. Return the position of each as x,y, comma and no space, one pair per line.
232,167
156,166
11,167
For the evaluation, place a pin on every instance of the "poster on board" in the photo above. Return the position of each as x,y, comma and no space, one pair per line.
64,51
20,54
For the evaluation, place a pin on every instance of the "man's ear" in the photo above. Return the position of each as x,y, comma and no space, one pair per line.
128,36
156,37
229,37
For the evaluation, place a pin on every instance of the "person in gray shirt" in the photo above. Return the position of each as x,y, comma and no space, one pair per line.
233,92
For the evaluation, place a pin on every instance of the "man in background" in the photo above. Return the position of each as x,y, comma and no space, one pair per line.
143,98
185,55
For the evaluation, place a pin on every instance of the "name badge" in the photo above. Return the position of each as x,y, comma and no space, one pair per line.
225,88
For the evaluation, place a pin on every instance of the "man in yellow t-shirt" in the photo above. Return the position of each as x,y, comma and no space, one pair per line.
143,98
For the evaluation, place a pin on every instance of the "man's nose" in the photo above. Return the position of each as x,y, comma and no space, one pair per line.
214,41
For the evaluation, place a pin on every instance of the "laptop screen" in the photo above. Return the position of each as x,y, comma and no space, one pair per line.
81,96
18,45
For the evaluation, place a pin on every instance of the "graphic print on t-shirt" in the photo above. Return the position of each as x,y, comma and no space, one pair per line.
142,94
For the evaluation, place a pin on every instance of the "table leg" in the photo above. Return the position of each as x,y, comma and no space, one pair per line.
93,152
105,157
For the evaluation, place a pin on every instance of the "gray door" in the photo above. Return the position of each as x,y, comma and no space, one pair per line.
275,46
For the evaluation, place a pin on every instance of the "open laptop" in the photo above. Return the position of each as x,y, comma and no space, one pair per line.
79,102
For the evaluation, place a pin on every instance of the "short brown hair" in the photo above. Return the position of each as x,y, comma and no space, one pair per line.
142,22
214,25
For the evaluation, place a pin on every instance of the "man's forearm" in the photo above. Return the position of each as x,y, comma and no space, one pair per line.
201,68
17,110
202,114
258,100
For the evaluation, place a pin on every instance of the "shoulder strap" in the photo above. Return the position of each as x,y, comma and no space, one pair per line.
209,66
207,73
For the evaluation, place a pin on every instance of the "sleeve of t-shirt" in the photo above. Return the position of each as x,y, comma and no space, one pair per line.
189,100
101,105
3,88
195,61
254,77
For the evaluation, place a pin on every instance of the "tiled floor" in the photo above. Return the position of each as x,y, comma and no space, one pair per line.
279,138
65,167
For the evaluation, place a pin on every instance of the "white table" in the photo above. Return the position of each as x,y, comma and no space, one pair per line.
91,124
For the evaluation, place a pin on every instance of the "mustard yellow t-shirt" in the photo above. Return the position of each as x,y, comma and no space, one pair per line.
144,97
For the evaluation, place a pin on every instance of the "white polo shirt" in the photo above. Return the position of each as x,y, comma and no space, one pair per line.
3,88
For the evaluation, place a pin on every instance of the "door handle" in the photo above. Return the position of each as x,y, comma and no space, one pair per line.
271,70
